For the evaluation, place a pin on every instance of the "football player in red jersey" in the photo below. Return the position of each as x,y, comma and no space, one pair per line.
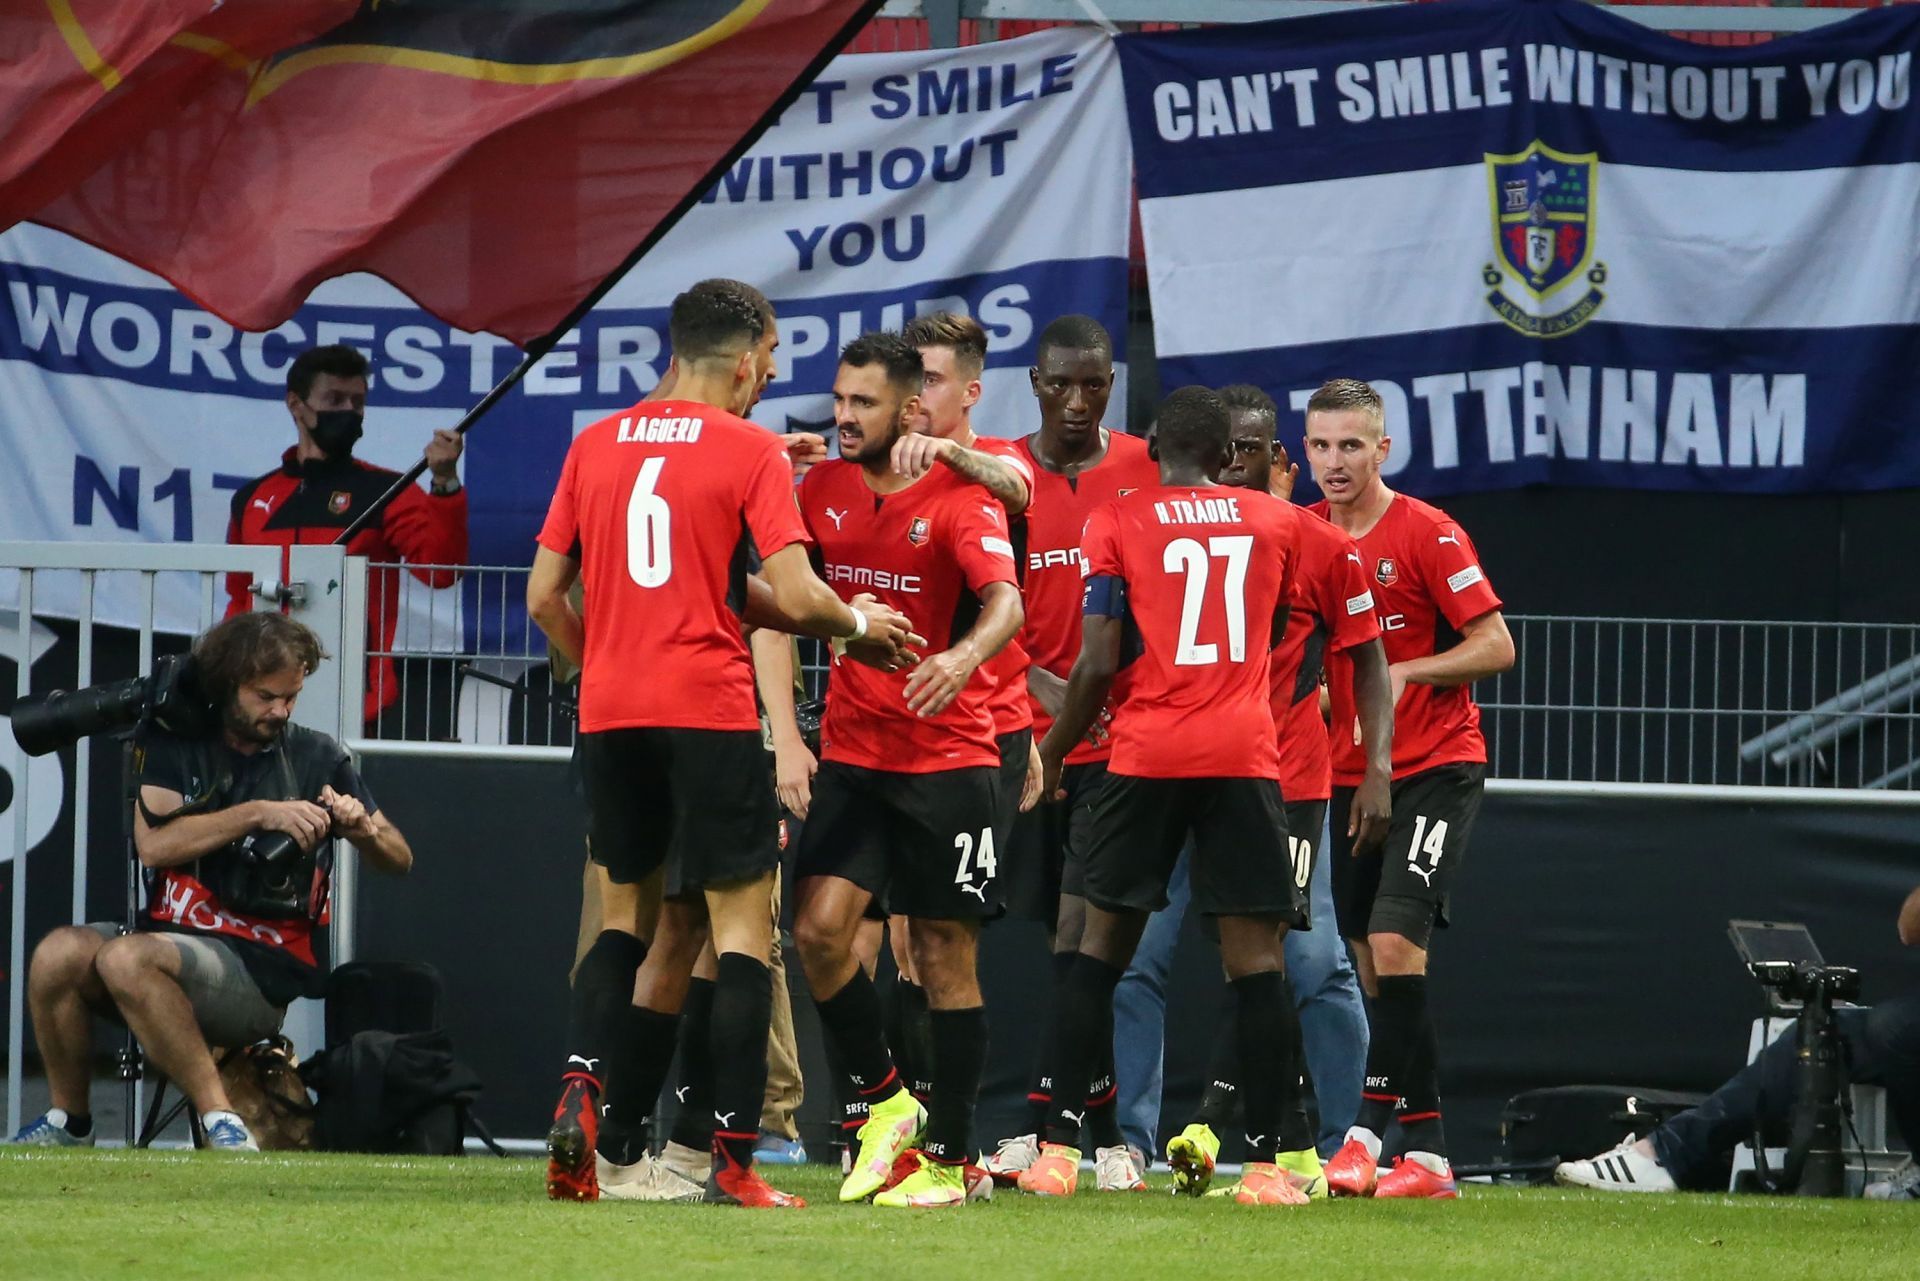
1427,581
654,511
1077,465
953,354
904,803
1331,612
1185,583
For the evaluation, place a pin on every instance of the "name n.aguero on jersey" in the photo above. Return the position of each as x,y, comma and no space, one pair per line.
673,429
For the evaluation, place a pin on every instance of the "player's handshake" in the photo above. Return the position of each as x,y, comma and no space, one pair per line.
888,641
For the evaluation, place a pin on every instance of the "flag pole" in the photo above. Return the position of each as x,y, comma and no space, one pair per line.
539,347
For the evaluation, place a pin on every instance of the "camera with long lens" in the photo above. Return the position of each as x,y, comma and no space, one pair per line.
169,697
1816,1162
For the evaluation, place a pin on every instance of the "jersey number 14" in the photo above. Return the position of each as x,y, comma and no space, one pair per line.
1187,556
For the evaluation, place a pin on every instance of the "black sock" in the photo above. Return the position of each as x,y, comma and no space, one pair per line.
1081,1019
79,1124
1268,1031
1296,1128
851,1020
910,1035
1420,1119
1040,1094
1221,1096
693,1095
640,1057
602,995
742,1009
1395,1027
959,1048
1103,1102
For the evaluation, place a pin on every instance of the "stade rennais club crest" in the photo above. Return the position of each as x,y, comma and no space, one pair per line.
1543,206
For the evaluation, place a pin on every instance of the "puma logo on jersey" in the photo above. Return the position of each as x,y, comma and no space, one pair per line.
835,517
1450,538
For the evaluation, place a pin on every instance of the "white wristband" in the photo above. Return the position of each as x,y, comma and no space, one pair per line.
859,627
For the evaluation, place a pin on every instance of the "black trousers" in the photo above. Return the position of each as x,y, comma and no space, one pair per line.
1882,1047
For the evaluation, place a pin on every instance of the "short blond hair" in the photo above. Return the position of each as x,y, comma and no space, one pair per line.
1337,395
962,335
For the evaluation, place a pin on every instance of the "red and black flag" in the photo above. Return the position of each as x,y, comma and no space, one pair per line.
494,159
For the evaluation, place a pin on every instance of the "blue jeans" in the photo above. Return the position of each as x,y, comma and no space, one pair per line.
1333,1021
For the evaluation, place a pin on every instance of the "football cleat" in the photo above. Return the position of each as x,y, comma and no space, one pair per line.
1115,1171
931,1186
645,1180
979,1183
774,1149
1264,1183
1014,1157
1902,1185
1353,1171
691,1164
1412,1180
1192,1154
892,1127
1619,1169
1056,1173
576,1128
1304,1171
731,1183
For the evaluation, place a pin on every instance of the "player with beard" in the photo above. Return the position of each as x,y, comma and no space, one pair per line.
657,508
904,803
1427,583
1187,582
953,353
1078,464
1331,612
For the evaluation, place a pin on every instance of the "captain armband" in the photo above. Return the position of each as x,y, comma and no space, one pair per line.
1105,597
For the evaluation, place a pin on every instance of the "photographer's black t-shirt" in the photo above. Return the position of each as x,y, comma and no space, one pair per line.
279,954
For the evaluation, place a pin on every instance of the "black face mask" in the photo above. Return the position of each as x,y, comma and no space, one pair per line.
335,430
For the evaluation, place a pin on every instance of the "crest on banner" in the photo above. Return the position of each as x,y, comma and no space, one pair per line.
1543,225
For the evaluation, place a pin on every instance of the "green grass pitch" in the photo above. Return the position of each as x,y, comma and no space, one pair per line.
177,1214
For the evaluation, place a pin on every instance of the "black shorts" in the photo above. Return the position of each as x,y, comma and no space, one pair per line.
698,802
1306,820
1049,847
1242,865
1013,781
1433,813
922,844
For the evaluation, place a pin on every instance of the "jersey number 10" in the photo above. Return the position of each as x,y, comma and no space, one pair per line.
1187,556
649,529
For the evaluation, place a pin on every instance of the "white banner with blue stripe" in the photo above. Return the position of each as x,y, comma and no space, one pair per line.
1567,249
992,180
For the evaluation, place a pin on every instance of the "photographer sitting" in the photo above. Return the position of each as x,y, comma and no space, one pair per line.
1881,1046
232,829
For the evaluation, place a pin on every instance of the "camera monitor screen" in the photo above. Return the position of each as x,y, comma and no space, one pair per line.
1773,941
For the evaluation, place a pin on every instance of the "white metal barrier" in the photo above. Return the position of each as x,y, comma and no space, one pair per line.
321,586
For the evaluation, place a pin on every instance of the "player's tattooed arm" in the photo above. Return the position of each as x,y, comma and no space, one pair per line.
938,680
1087,688
549,605
1485,649
1373,698
915,454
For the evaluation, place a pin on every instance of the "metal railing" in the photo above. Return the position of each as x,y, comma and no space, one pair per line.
1707,702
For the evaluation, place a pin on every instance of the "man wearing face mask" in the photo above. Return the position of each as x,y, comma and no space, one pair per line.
320,488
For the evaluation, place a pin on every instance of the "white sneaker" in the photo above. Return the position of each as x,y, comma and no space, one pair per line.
226,1132
1014,1157
691,1164
49,1130
645,1180
1620,1170
1114,1170
1902,1185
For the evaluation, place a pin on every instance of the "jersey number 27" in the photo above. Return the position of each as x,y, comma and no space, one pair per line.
1187,556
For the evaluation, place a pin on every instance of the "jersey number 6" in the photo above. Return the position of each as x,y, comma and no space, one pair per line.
649,529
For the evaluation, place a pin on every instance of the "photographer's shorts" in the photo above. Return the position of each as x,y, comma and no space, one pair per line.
227,1003
697,802
1433,813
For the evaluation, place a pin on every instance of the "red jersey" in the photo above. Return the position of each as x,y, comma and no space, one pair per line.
1424,570
311,502
1011,709
1332,611
928,550
1055,524
1208,572
657,503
